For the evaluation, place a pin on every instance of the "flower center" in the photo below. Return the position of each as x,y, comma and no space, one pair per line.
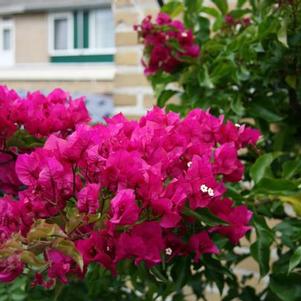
168,251
205,189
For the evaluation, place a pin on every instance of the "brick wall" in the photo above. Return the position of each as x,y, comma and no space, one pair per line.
31,38
84,86
132,93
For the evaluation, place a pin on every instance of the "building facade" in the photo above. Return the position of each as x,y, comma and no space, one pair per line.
84,46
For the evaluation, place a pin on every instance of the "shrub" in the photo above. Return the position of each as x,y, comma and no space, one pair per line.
249,71
148,192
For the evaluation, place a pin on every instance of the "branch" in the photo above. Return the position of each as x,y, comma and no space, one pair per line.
160,2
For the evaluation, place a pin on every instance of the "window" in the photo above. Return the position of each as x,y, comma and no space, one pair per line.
82,36
7,53
7,39
60,33
81,30
102,22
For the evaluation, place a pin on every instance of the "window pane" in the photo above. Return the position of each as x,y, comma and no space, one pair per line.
104,28
60,33
86,29
81,29
6,39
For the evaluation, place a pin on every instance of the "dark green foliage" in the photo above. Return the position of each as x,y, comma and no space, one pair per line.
251,74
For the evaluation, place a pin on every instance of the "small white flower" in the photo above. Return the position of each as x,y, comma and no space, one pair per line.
168,251
210,192
189,163
204,188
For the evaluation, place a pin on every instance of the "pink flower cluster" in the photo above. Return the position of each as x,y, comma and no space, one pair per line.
168,44
37,115
231,21
124,190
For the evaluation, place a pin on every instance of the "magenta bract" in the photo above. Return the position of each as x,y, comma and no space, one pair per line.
115,191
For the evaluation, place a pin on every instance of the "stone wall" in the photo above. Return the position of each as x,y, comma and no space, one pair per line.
31,40
132,93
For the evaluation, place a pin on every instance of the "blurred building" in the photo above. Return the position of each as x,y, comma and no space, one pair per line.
83,46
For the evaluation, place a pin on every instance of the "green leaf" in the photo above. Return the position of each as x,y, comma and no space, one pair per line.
223,70
11,246
222,5
23,139
282,33
43,230
204,216
240,3
237,105
158,274
286,287
276,187
193,6
260,249
173,8
290,168
294,200
290,230
74,219
258,170
295,259
202,29
32,259
204,78
291,80
239,13
210,11
268,26
165,96
264,113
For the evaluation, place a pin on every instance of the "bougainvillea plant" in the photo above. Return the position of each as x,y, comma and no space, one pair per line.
149,191
249,69
168,44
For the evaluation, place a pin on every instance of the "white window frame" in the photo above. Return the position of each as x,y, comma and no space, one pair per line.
92,15
8,24
51,19
71,50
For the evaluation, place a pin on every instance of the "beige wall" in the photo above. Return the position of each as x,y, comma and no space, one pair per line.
132,92
97,87
31,42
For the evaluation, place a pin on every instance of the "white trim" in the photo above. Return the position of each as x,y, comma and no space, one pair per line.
130,110
100,71
93,25
82,52
92,50
8,56
80,28
92,31
9,8
134,90
51,18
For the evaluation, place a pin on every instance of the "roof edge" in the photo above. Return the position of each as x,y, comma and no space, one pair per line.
44,7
